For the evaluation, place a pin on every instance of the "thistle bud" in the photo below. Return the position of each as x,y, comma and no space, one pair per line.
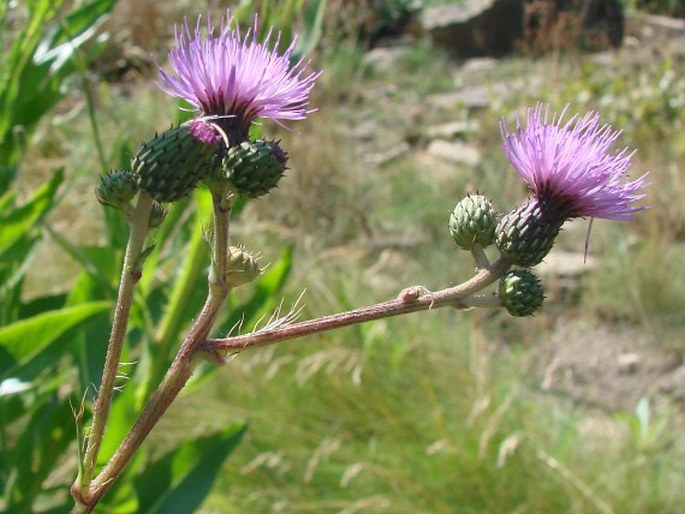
117,189
526,235
170,165
255,167
242,267
521,292
157,215
472,221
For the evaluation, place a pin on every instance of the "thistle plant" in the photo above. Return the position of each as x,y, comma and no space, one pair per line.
230,79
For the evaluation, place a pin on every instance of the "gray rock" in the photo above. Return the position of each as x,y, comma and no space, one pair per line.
496,27
479,64
453,129
471,98
476,27
455,152
566,264
384,59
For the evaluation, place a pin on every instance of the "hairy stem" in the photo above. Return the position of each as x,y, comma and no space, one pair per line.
409,300
197,344
182,366
139,220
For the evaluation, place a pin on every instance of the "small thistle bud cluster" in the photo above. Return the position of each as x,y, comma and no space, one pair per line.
523,237
521,292
253,168
472,221
243,267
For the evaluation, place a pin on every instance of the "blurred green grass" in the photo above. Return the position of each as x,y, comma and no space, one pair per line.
435,412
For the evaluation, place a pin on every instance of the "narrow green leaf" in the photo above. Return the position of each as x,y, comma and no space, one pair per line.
42,304
23,219
117,228
24,340
313,22
83,19
179,482
196,255
174,231
7,200
101,263
45,438
121,418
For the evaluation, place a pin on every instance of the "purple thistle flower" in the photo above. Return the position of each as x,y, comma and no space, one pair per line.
569,165
233,79
572,172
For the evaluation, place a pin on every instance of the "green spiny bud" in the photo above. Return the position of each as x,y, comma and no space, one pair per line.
521,292
242,267
472,221
157,215
526,235
170,165
254,167
117,189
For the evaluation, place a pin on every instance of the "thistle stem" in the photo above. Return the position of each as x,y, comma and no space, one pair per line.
196,343
410,300
139,220
182,367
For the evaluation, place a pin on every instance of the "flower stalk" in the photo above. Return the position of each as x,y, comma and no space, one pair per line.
180,370
139,218
410,300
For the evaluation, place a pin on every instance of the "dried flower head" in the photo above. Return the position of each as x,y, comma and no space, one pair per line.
234,78
570,165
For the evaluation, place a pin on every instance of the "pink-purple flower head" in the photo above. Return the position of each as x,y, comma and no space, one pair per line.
570,166
233,79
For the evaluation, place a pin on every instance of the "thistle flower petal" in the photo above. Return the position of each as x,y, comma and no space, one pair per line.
570,165
230,76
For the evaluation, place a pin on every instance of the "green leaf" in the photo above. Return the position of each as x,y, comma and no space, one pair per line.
102,264
13,267
42,304
48,49
173,232
190,279
122,415
7,200
178,482
47,435
22,220
313,14
24,340
83,20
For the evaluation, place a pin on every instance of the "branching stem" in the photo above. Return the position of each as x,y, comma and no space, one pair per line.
182,366
197,344
409,300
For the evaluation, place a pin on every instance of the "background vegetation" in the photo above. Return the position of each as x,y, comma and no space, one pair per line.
439,412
